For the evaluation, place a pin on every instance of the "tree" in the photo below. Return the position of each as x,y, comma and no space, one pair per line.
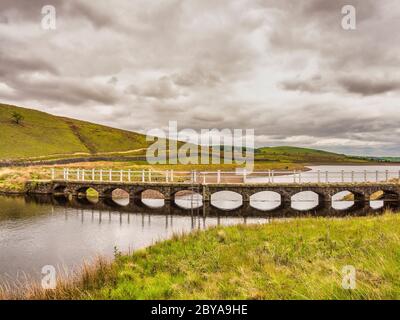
16,117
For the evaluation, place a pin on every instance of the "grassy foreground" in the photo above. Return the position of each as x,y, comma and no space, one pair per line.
297,259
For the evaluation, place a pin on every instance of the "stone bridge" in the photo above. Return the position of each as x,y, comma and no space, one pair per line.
389,192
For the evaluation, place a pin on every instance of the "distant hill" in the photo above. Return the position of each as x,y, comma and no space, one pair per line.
41,135
302,155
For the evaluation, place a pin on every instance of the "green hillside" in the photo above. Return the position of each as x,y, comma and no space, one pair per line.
40,135
303,155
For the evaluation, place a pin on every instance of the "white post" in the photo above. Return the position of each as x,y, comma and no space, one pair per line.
299,176
195,176
294,176
64,178
326,176
110,175
219,176
244,175
129,175
376,176
387,175
77,174
319,176
67,174
204,178
93,176
149,175
166,176
143,176
365,175
269,176
52,174
172,175
101,174
342,176
121,176
273,176
352,176
83,174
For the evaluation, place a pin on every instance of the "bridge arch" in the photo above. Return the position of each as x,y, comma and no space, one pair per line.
119,195
384,199
266,200
347,199
226,200
152,198
188,199
306,200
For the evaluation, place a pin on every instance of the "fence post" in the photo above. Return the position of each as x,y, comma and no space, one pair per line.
376,176
143,177
149,175
273,176
342,176
129,175
219,176
110,175
83,174
195,176
244,175
172,175
121,176
166,176
326,176
387,175
294,176
319,176
93,176
67,174
300,176
52,174
352,176
365,176
77,174
63,173
204,177
101,174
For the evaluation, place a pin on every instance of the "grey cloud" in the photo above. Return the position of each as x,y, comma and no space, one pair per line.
368,87
225,64
162,88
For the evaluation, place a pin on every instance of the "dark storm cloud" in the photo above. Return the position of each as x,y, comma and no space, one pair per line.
284,68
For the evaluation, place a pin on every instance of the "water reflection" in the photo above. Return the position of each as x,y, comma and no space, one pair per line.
37,231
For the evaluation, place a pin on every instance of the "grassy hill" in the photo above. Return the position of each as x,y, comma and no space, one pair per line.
303,155
41,134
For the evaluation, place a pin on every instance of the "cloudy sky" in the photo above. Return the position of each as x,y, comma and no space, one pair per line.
285,68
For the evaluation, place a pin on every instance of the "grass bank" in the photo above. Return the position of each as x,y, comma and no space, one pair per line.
297,259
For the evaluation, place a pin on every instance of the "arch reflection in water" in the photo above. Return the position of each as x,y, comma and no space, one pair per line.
188,199
265,200
152,198
226,200
305,200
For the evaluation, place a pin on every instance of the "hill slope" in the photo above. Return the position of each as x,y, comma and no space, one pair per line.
41,134
303,155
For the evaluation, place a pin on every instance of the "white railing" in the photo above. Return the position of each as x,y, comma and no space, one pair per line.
204,177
